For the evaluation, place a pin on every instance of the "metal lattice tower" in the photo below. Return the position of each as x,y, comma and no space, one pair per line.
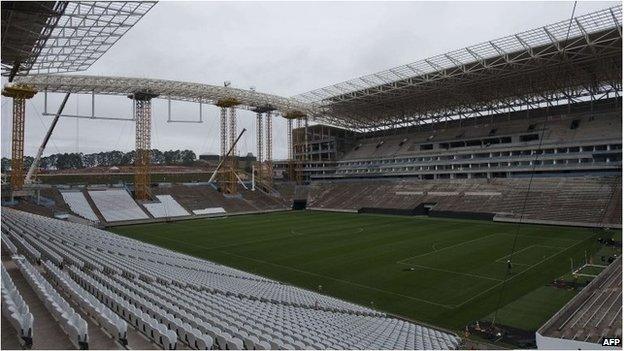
269,137
143,132
306,145
19,94
297,168
223,126
17,143
232,130
227,177
269,148
230,184
259,141
289,135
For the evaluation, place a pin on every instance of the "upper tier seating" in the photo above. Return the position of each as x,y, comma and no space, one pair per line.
604,126
116,205
205,305
167,207
15,309
79,205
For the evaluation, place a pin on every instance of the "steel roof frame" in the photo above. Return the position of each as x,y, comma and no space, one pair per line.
166,89
565,60
76,34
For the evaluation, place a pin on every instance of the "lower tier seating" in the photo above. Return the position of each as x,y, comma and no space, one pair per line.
568,199
15,309
179,301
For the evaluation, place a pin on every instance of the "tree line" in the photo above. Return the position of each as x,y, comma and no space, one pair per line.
77,160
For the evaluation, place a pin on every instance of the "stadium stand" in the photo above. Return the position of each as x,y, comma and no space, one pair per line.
116,205
79,205
589,200
199,197
178,299
595,313
555,140
166,207
16,310
70,321
112,323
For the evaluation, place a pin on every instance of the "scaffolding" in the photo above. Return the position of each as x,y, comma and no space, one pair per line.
230,185
296,170
143,127
19,94
269,148
259,136
227,176
223,134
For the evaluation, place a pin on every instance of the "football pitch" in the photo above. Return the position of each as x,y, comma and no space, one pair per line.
444,272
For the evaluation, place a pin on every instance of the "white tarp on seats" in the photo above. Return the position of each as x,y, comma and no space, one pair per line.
78,204
116,205
167,207
210,210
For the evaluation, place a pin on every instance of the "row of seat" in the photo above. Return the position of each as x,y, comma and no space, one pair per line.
8,245
26,248
149,266
142,321
106,318
176,299
15,309
70,321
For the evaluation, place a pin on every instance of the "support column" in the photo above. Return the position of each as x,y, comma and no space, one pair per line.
299,155
230,186
269,148
143,144
232,130
227,174
289,142
259,141
223,127
19,94
17,143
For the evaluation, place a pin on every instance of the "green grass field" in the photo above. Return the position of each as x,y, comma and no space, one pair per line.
444,272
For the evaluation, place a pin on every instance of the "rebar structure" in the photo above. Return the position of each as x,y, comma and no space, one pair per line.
269,148
143,132
19,94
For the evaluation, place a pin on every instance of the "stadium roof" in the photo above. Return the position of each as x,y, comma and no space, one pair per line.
166,89
62,36
564,61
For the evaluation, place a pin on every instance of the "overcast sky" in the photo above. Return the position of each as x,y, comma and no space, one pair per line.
283,48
